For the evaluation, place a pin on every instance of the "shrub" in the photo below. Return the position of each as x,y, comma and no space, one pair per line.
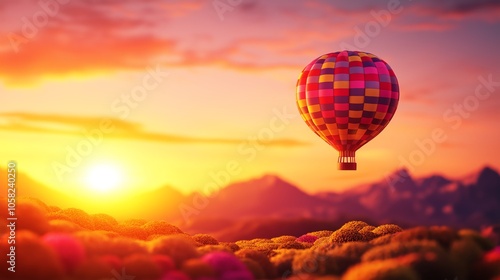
380,270
489,266
123,247
95,268
443,235
397,249
347,255
346,235
353,250
325,246
312,262
78,217
178,247
354,225
382,240
291,245
70,251
227,266
367,235
134,222
175,275
387,229
63,226
142,266
33,216
430,265
95,243
34,258
203,250
230,245
165,263
52,209
260,258
367,228
254,268
465,254
320,242
160,227
132,231
205,239
284,238
313,277
111,260
110,234
282,261
321,233
196,268
485,243
103,222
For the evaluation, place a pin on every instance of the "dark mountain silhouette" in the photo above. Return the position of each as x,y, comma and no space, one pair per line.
432,200
399,198
270,197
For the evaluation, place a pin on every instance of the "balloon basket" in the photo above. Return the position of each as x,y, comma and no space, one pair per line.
347,160
347,166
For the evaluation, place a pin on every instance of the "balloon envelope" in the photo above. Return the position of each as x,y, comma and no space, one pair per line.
347,98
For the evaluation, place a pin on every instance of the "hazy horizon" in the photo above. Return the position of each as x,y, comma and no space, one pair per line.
194,89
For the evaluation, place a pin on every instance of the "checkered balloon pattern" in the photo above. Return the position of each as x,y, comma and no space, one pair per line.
347,98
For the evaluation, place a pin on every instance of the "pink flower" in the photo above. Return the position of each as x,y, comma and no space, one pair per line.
70,251
306,238
227,266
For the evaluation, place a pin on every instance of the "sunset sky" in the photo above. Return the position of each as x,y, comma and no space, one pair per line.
180,90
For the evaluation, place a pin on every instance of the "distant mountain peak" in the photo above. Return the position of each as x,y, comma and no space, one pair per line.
484,174
400,179
270,179
265,183
435,181
487,170
487,175
403,172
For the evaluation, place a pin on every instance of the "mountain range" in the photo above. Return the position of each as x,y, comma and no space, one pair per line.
268,204
271,206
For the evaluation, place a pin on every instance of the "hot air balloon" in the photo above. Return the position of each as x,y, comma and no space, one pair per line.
347,98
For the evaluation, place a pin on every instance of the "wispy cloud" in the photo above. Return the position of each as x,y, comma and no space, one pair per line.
113,35
124,130
462,7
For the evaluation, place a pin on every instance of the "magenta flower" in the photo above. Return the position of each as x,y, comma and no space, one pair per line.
306,238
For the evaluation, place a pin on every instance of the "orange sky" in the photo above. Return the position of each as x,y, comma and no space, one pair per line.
173,92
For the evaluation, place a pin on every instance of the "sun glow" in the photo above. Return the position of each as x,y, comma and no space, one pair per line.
103,177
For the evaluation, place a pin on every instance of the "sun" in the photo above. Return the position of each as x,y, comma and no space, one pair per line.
103,177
